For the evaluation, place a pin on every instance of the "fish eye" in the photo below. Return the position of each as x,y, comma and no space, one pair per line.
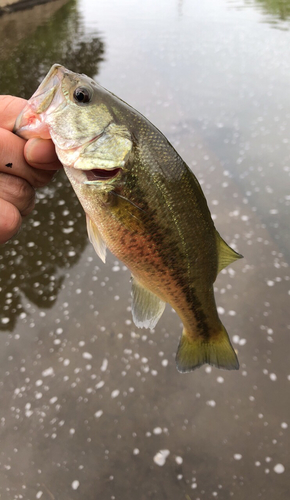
82,95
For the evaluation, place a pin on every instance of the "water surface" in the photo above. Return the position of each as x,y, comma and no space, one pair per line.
88,401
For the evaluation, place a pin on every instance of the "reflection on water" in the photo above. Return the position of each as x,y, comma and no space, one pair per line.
275,12
54,235
61,39
279,8
33,264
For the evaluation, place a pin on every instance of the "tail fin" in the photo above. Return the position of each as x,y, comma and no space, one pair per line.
216,351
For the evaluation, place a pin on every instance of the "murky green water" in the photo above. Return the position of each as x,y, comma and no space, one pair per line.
87,399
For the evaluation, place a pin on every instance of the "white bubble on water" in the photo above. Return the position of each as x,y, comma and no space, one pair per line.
87,355
104,365
279,468
157,430
28,411
100,384
160,457
75,484
115,393
238,456
47,372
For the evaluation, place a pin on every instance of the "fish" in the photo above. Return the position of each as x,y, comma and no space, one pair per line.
143,203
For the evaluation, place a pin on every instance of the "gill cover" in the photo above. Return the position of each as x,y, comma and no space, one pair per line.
108,151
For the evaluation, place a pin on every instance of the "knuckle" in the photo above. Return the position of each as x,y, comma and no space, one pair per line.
13,220
5,102
41,178
22,189
26,194
10,221
18,191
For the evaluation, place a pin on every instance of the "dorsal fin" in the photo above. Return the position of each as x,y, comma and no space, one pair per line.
226,255
96,239
146,306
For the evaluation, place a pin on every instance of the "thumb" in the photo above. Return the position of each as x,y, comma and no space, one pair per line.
40,153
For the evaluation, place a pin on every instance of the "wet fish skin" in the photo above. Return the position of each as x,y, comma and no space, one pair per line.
143,203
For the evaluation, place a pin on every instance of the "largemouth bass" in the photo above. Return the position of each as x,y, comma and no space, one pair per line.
143,203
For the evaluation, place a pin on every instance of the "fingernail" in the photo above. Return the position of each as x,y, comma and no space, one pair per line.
30,148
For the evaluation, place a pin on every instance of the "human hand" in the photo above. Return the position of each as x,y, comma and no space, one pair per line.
24,166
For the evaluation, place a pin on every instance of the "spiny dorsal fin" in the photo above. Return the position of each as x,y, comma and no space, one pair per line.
96,239
226,255
147,308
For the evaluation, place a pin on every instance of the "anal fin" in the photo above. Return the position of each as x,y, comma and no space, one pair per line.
147,308
96,239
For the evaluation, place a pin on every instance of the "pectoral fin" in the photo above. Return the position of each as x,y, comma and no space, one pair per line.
226,255
147,308
96,239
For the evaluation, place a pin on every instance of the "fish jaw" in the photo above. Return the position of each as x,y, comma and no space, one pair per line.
32,121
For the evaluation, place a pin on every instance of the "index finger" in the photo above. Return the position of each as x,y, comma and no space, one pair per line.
10,108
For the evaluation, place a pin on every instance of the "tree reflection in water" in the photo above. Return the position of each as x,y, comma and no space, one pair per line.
33,264
279,8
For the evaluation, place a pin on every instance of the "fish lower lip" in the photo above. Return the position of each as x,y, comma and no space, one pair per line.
98,174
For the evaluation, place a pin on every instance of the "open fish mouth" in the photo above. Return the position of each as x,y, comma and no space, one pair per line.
92,177
98,174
